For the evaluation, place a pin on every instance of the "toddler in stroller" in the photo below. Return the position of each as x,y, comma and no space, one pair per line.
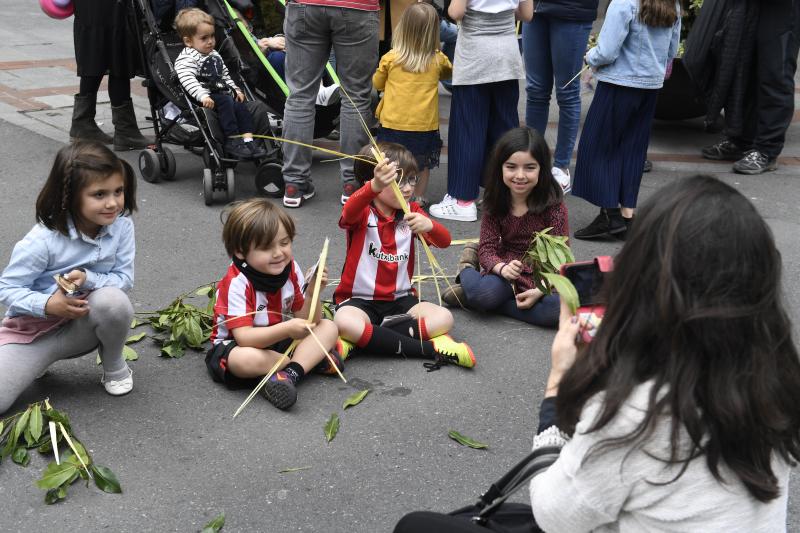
203,74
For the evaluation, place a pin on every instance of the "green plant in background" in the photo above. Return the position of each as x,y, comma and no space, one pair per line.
25,431
271,20
545,255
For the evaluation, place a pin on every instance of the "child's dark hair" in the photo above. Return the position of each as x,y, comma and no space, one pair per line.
406,161
253,224
694,305
77,166
497,197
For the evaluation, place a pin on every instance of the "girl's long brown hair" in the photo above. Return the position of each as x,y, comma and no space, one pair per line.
658,13
695,306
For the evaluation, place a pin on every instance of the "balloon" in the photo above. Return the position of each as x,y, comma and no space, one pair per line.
52,8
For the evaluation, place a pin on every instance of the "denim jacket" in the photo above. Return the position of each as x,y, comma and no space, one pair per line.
630,53
27,282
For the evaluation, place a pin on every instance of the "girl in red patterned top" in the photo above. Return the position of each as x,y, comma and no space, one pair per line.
521,197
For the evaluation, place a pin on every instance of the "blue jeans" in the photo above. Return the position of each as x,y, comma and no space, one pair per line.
311,32
448,33
553,49
277,59
492,294
234,117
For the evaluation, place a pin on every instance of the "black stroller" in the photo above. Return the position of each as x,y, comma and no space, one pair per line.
158,50
267,84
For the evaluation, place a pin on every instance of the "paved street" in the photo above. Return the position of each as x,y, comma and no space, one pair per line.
180,456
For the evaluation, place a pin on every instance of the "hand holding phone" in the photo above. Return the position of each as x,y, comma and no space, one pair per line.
587,277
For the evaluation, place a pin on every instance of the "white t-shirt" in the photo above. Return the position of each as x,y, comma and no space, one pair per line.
613,489
492,6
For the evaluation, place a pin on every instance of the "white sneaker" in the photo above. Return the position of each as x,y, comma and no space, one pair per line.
328,95
449,209
118,388
563,179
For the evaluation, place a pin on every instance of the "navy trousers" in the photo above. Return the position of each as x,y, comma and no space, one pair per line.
479,116
613,145
233,116
492,294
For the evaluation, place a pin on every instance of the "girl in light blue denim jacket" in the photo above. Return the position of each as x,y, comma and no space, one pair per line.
638,40
83,234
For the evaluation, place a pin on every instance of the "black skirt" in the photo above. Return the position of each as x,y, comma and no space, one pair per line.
105,38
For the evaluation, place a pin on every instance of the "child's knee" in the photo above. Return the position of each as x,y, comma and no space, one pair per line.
349,323
327,331
110,304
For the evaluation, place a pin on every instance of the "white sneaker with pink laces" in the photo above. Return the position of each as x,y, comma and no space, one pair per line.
450,209
563,179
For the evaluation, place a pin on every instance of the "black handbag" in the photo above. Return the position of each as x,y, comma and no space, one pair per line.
494,513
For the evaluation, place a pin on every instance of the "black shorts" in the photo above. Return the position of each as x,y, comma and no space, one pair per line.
377,310
217,364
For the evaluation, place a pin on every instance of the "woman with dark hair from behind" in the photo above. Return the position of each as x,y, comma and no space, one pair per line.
681,414
683,409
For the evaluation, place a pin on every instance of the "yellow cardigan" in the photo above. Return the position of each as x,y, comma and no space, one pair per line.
410,100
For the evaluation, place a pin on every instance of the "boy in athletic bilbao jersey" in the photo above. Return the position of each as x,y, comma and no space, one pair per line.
261,308
377,309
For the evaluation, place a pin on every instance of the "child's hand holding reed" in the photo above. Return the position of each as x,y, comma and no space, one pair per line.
384,174
323,282
418,222
296,328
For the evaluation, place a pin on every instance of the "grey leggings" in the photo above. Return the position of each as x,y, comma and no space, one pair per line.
105,328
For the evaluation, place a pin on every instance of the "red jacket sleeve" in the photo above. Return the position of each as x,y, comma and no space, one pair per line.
355,209
438,236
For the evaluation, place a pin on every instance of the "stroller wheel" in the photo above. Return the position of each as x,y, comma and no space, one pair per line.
167,163
231,184
269,180
149,166
208,186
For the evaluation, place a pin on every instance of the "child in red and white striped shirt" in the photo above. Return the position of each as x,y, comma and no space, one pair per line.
260,307
378,310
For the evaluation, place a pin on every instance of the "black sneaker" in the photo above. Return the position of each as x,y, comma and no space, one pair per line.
648,166
608,222
725,150
348,189
256,148
236,149
294,195
280,390
755,162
